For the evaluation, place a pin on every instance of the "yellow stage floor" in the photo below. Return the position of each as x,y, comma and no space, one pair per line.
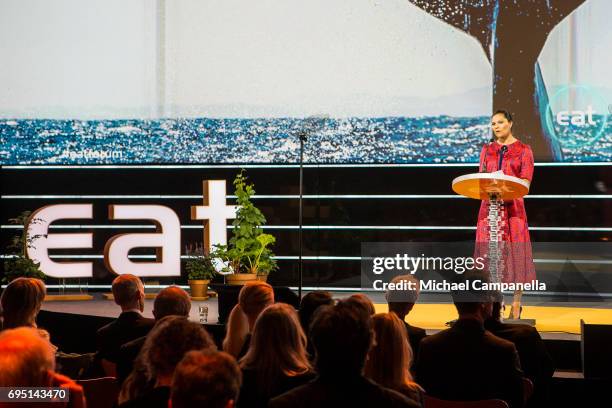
548,318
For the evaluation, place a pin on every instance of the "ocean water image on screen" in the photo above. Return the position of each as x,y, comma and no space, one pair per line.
391,82
440,139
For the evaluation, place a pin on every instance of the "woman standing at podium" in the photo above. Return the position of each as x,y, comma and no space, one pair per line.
516,160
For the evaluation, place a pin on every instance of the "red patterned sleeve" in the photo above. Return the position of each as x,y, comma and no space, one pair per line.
527,163
483,155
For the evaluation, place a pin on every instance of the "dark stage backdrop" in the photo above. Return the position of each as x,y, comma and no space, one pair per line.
344,206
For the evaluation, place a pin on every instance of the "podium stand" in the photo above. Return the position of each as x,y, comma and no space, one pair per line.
496,188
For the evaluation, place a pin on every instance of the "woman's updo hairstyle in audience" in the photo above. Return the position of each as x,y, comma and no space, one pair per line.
361,300
21,301
254,297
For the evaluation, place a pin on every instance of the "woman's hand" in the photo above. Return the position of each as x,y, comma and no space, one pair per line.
237,330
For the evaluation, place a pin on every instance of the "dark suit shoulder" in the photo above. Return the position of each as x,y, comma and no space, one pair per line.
132,348
436,337
297,397
142,321
415,331
515,331
128,326
497,341
105,329
365,393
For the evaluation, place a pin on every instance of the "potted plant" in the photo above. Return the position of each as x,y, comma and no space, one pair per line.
19,265
200,270
248,255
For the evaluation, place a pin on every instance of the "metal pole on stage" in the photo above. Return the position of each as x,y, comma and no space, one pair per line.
311,125
301,272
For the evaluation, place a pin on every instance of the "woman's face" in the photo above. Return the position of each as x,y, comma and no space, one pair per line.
500,125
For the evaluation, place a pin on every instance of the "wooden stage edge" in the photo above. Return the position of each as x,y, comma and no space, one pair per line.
68,297
553,322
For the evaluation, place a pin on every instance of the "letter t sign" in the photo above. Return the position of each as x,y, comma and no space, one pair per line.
215,212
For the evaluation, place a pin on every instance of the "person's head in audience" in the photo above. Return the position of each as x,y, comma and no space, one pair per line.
361,300
167,343
26,358
472,303
342,336
128,292
278,346
253,298
401,300
390,358
309,305
497,299
171,301
205,379
21,302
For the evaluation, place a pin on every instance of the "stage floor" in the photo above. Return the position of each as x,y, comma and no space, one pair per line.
552,321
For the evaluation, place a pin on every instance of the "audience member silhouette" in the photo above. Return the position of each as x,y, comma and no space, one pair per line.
21,301
128,293
342,336
166,345
401,302
170,301
361,300
467,362
205,379
535,360
389,361
361,359
253,298
308,306
28,360
276,361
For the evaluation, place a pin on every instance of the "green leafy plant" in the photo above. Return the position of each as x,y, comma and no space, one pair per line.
199,265
19,265
248,250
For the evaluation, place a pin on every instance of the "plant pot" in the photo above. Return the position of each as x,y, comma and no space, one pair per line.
199,287
240,278
263,277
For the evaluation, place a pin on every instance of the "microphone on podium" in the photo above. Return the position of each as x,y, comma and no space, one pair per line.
503,150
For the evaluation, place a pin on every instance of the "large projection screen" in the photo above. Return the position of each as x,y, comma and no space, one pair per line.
395,81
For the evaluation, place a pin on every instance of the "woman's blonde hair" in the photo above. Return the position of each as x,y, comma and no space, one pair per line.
254,297
21,302
390,359
278,346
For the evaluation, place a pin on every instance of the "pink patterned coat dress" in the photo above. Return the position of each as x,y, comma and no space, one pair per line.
518,261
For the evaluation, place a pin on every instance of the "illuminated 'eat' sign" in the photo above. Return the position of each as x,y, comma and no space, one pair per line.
166,239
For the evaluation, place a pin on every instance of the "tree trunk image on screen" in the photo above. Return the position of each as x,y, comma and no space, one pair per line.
512,34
